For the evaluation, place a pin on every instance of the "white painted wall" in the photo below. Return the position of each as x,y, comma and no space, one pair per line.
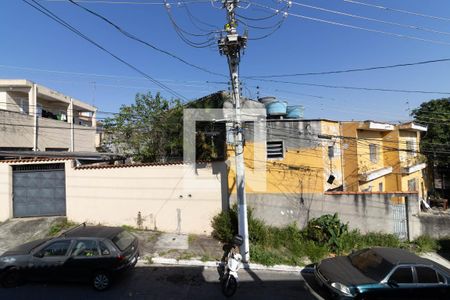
5,191
115,196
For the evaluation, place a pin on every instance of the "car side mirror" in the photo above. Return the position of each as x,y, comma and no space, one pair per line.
392,283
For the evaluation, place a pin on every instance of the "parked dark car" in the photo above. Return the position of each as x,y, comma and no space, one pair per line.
378,273
85,253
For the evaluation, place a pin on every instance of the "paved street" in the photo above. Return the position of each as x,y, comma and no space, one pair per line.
170,282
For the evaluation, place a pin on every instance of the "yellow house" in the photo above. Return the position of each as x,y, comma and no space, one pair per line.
381,157
301,157
315,156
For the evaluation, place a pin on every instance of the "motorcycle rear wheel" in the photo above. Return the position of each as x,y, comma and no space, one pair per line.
229,286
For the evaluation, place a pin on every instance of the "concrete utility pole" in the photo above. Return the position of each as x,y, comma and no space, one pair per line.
231,45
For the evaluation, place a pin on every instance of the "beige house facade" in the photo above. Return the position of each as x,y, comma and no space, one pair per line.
36,118
166,197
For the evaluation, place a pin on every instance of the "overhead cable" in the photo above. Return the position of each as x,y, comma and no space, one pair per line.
404,36
60,21
371,19
398,10
134,37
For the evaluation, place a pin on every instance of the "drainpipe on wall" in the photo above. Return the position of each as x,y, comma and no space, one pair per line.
70,120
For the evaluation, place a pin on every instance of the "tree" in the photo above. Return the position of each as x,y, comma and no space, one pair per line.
434,144
150,130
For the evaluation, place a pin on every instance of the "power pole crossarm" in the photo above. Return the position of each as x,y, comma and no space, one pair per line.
231,45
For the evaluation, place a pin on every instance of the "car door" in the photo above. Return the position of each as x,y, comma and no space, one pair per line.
398,285
84,259
47,262
401,283
430,284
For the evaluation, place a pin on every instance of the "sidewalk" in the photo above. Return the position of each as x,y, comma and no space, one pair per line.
198,250
189,250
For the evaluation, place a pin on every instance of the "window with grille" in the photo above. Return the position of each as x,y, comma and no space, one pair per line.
275,149
411,148
374,153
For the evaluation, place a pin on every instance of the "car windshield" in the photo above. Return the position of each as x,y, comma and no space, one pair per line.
370,264
123,240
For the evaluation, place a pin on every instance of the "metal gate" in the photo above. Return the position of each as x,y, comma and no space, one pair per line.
400,221
39,190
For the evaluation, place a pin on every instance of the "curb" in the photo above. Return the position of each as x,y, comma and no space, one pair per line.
214,264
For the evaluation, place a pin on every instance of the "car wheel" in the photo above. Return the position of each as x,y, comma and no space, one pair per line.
101,281
11,278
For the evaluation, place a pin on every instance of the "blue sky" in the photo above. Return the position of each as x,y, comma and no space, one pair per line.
35,47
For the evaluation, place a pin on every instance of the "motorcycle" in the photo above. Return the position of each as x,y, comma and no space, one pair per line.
231,263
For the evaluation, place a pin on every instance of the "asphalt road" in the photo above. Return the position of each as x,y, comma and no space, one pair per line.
170,282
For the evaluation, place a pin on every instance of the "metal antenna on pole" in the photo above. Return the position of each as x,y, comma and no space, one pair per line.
231,45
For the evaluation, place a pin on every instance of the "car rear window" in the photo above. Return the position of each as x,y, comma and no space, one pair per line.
123,240
426,275
370,264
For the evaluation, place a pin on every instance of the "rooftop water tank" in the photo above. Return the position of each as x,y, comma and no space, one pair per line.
265,100
277,108
294,112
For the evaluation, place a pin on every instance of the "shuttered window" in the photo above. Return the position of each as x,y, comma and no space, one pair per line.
275,149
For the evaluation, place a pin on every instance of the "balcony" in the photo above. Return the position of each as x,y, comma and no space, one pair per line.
413,168
411,126
376,126
371,175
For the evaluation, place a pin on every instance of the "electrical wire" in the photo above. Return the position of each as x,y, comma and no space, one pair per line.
135,38
352,87
194,19
60,21
181,32
353,69
371,19
384,8
130,2
404,36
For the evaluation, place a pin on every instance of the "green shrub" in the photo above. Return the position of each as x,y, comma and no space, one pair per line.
314,251
60,226
379,239
425,243
258,232
327,229
265,256
225,225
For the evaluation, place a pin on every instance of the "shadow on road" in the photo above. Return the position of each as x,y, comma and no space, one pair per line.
169,282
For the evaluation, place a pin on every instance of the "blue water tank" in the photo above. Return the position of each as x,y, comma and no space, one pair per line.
294,112
277,108
267,100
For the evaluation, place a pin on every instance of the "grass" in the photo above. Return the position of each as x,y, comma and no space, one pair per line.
186,255
425,243
192,238
290,245
154,237
129,228
149,260
59,227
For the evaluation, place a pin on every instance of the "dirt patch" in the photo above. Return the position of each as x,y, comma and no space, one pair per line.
18,231
199,247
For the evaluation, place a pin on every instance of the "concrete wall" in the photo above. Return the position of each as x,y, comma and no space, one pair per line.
5,192
166,201
16,130
437,226
364,211
115,195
